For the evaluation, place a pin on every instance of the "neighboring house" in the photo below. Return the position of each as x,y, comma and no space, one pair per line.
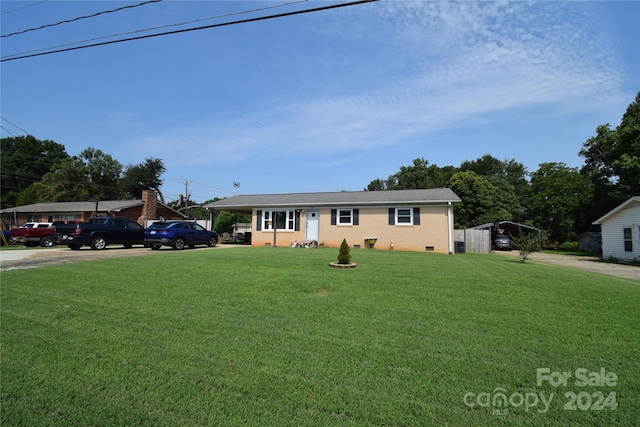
147,208
621,231
415,220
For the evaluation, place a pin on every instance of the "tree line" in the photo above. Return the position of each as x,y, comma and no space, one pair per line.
561,200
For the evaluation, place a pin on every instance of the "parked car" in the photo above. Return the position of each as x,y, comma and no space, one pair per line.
34,234
502,243
98,232
178,234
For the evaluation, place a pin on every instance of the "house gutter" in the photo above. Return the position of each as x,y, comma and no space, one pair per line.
449,225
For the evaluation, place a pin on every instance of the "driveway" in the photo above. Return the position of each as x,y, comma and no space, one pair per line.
588,263
30,258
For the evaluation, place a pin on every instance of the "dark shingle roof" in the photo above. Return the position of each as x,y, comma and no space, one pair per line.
75,207
351,198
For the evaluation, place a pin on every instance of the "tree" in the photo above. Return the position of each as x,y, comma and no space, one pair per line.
509,176
482,202
344,257
526,243
419,175
612,161
224,221
143,176
559,195
92,175
24,160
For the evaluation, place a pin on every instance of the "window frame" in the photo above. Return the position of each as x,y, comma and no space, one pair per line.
399,216
627,239
289,220
339,217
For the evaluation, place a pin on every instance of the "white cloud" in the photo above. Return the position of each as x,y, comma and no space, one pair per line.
448,62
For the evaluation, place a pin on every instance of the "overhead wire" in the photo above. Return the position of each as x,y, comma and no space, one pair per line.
23,7
178,24
93,15
205,27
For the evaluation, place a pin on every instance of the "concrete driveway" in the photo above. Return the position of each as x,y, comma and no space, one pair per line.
588,263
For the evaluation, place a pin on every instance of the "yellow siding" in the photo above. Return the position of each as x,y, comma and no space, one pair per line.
433,231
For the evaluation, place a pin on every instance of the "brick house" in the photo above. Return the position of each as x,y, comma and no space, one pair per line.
414,220
147,208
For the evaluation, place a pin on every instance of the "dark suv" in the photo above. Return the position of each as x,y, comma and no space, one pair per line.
178,234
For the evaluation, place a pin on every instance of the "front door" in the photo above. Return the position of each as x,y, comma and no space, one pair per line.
312,225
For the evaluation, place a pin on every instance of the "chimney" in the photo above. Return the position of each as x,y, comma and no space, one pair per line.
150,207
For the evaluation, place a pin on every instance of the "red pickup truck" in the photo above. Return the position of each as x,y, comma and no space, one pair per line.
45,234
34,234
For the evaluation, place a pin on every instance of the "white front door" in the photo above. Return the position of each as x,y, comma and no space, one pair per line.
312,225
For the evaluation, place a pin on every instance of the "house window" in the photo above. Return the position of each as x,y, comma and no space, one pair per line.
628,240
284,220
345,217
404,216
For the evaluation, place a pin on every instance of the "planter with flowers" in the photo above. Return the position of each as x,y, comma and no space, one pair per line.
371,241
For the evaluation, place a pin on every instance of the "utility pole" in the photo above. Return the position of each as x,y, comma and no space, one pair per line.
186,189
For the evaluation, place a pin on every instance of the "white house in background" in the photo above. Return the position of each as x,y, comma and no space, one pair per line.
621,231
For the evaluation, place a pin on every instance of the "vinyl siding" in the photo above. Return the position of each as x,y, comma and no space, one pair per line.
613,234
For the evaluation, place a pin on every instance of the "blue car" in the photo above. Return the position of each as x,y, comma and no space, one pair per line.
178,235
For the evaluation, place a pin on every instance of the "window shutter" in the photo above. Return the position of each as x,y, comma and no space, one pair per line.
392,216
259,224
416,216
356,217
297,221
334,214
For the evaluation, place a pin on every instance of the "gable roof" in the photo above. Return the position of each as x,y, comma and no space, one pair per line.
342,198
78,207
633,201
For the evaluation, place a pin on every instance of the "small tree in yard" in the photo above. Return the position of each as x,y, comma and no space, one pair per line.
344,257
526,243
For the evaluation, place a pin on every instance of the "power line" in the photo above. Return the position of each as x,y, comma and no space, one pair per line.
15,126
23,7
81,17
161,27
243,21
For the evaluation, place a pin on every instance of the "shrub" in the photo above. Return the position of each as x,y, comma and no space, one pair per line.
344,257
569,246
526,243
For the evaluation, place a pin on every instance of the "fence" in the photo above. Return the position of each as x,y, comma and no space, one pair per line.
470,240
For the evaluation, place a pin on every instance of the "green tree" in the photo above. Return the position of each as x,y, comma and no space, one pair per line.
612,161
509,176
344,257
417,176
559,195
224,221
482,201
526,243
143,176
92,175
24,160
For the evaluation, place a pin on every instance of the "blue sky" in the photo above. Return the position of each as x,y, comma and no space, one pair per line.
325,101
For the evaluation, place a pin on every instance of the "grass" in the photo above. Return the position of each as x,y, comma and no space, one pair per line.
273,336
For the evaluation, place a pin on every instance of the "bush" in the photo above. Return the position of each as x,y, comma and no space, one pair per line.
344,257
526,244
568,246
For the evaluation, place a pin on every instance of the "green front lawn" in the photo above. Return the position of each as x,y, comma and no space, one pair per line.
274,336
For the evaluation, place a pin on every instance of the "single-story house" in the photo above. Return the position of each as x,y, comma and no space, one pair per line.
415,220
621,231
147,208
